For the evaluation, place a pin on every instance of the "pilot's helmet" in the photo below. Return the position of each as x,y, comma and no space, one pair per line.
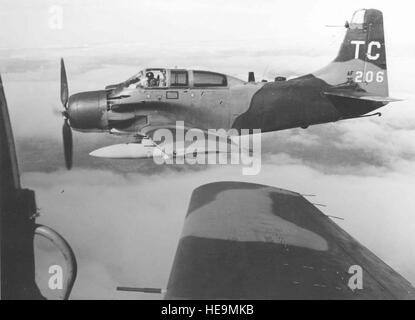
150,75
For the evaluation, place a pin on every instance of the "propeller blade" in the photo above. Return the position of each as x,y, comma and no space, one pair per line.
64,86
67,144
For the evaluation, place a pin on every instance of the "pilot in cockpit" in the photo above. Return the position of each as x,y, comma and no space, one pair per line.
152,82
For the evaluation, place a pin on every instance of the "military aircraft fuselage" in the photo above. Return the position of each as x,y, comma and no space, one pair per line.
352,85
269,106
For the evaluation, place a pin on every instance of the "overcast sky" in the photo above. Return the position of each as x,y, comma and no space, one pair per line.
174,22
124,218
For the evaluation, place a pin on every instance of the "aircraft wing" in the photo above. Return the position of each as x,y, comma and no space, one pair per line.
250,241
18,212
9,172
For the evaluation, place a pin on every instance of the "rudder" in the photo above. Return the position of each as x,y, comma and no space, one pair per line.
361,61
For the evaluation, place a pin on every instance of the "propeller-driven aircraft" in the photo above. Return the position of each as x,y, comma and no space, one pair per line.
351,86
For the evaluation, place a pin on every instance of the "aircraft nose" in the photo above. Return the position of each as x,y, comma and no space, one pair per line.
87,110
71,109
72,113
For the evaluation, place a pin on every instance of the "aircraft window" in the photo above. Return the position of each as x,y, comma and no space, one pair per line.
209,79
358,17
155,78
134,81
179,79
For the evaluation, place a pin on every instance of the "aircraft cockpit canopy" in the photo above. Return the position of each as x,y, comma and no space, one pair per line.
358,19
148,78
153,78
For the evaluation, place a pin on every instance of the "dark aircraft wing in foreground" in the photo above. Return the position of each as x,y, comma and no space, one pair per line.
18,227
250,241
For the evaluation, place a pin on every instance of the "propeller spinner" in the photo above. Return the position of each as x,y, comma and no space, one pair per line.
66,129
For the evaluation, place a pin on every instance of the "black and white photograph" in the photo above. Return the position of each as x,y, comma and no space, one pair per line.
207,151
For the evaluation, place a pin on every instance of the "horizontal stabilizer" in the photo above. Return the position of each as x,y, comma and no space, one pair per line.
361,96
